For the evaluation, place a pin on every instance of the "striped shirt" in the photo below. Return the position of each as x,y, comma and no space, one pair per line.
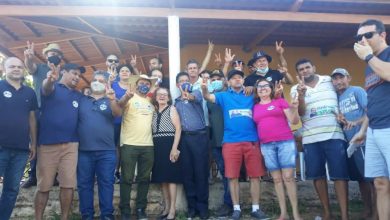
319,122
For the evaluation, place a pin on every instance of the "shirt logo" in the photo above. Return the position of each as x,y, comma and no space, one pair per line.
7,94
75,104
270,108
235,113
103,107
269,79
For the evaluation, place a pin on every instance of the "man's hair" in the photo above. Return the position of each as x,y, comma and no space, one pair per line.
205,71
118,69
302,61
100,73
191,61
180,75
159,60
109,55
379,26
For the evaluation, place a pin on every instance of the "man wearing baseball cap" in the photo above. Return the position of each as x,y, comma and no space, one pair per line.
53,54
260,61
58,138
240,141
353,104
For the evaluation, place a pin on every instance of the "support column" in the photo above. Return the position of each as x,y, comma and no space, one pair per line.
174,53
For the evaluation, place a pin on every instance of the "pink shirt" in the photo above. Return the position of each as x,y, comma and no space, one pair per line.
272,123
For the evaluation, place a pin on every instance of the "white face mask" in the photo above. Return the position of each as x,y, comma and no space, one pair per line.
98,87
262,71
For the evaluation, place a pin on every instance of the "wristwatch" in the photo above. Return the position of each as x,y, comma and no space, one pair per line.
368,57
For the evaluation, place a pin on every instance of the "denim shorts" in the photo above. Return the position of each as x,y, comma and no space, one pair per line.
377,161
333,152
279,154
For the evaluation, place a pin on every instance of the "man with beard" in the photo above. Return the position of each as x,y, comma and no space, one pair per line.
18,129
97,149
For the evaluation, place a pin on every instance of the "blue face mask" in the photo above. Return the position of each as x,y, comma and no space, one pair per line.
216,86
186,86
262,71
143,89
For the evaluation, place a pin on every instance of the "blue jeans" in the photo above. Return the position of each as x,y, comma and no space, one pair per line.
12,164
279,154
102,165
217,154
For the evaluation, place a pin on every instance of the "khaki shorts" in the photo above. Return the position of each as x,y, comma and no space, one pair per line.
57,158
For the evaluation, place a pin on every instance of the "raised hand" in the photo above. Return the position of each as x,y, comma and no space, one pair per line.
211,46
203,85
362,49
130,91
133,60
184,93
29,51
301,88
228,55
278,88
54,73
248,90
294,101
279,48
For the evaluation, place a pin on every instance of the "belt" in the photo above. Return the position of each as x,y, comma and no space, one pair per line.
202,131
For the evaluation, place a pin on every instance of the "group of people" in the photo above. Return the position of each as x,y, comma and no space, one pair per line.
127,121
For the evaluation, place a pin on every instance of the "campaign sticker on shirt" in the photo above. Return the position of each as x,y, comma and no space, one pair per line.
270,108
103,107
75,104
7,94
269,79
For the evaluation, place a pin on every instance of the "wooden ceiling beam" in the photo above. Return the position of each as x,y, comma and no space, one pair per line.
97,47
261,36
46,39
71,11
118,48
8,32
78,50
122,58
338,44
6,52
32,29
82,28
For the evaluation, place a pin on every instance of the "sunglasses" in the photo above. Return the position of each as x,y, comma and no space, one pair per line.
264,86
367,35
112,61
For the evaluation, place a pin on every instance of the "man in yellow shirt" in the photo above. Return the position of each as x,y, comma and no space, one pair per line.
136,144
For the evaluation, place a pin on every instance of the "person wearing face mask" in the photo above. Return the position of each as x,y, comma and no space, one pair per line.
53,54
136,143
218,84
120,87
260,62
96,156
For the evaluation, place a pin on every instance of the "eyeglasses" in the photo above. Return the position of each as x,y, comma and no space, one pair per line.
367,35
162,94
264,86
112,61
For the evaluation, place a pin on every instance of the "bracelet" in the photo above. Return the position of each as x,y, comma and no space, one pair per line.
368,57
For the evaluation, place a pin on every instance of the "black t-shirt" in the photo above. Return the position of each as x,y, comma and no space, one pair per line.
271,76
377,95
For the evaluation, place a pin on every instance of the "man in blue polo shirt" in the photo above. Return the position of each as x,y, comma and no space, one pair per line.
97,149
58,138
17,130
194,147
240,140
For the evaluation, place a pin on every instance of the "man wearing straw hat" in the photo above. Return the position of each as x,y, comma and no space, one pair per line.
136,143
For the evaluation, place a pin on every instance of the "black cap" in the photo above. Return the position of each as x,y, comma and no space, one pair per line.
73,66
235,72
260,54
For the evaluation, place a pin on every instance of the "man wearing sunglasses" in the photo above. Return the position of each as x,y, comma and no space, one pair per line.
371,47
112,61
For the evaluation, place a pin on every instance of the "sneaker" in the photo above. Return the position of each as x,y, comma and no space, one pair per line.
29,183
125,217
204,215
223,211
141,215
259,215
191,214
236,214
